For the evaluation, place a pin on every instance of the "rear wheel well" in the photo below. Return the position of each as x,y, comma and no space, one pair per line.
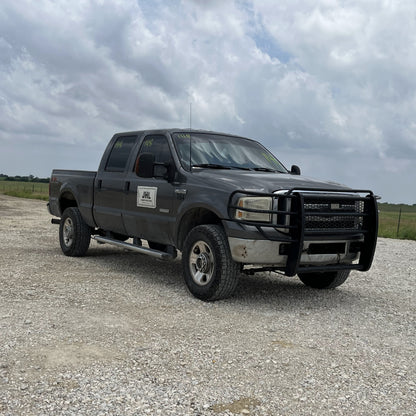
193,218
67,200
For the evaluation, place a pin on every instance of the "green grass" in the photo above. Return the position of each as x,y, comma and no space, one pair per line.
389,221
32,190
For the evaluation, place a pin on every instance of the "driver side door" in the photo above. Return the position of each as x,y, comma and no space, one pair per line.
148,208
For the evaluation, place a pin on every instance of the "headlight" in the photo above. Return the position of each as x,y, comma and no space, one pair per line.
255,203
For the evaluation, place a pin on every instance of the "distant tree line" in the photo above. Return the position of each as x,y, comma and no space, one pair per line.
385,206
29,178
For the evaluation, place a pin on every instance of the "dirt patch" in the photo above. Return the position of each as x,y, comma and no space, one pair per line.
240,406
73,355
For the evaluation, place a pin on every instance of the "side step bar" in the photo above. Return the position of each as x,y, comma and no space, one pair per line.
143,250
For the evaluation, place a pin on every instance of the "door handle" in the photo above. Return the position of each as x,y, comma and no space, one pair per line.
126,186
99,183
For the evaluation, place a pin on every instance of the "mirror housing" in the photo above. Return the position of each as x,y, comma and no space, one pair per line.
145,165
161,170
295,170
166,171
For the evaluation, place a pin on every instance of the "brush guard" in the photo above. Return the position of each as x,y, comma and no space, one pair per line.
304,214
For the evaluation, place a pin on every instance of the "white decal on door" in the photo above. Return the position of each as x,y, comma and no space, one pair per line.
146,196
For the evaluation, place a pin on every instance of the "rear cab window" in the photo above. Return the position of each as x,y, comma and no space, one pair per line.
119,155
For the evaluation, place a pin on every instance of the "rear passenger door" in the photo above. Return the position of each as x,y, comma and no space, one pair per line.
110,186
148,204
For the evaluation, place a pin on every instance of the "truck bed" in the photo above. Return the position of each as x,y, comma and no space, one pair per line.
66,183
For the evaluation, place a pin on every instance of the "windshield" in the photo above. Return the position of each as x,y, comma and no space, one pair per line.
224,152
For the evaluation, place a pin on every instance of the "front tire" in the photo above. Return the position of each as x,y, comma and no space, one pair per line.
74,233
209,271
324,280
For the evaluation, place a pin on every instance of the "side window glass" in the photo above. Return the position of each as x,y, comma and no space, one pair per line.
158,146
120,153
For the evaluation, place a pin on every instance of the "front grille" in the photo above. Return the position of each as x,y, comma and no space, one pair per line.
333,205
333,213
336,223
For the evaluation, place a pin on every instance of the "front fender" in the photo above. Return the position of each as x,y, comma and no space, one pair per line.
204,208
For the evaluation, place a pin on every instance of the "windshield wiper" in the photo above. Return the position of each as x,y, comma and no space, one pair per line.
210,166
218,166
239,167
260,169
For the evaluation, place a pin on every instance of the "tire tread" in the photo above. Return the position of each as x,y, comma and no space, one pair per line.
326,280
82,232
227,276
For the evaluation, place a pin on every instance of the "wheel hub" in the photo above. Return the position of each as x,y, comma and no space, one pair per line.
68,232
201,263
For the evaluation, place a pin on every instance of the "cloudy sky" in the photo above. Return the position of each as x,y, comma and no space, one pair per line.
329,85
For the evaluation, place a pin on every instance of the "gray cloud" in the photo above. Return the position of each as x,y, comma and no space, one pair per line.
327,83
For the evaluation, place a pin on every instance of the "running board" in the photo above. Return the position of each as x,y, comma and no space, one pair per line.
143,250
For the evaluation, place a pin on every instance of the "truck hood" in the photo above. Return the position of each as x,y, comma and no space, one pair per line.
261,181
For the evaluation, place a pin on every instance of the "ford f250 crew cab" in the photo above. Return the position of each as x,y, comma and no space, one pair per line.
224,201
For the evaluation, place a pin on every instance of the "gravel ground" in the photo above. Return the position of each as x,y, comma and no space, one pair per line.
117,333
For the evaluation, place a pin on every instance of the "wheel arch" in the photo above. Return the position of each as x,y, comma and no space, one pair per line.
67,200
191,219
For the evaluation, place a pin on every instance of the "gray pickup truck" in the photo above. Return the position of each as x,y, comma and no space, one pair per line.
224,201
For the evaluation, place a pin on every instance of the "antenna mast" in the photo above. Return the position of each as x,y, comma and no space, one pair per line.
190,136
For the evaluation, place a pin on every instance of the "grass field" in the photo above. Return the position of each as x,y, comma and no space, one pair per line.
32,190
389,226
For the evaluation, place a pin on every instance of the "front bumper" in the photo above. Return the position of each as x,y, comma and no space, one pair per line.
275,253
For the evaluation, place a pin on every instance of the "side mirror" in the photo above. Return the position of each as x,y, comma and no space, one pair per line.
145,165
295,170
161,170
164,170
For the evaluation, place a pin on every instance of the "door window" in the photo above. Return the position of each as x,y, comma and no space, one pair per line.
159,147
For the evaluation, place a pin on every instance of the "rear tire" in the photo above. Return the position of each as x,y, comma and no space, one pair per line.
209,271
74,233
324,280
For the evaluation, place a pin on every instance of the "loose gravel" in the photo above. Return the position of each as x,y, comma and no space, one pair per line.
117,333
